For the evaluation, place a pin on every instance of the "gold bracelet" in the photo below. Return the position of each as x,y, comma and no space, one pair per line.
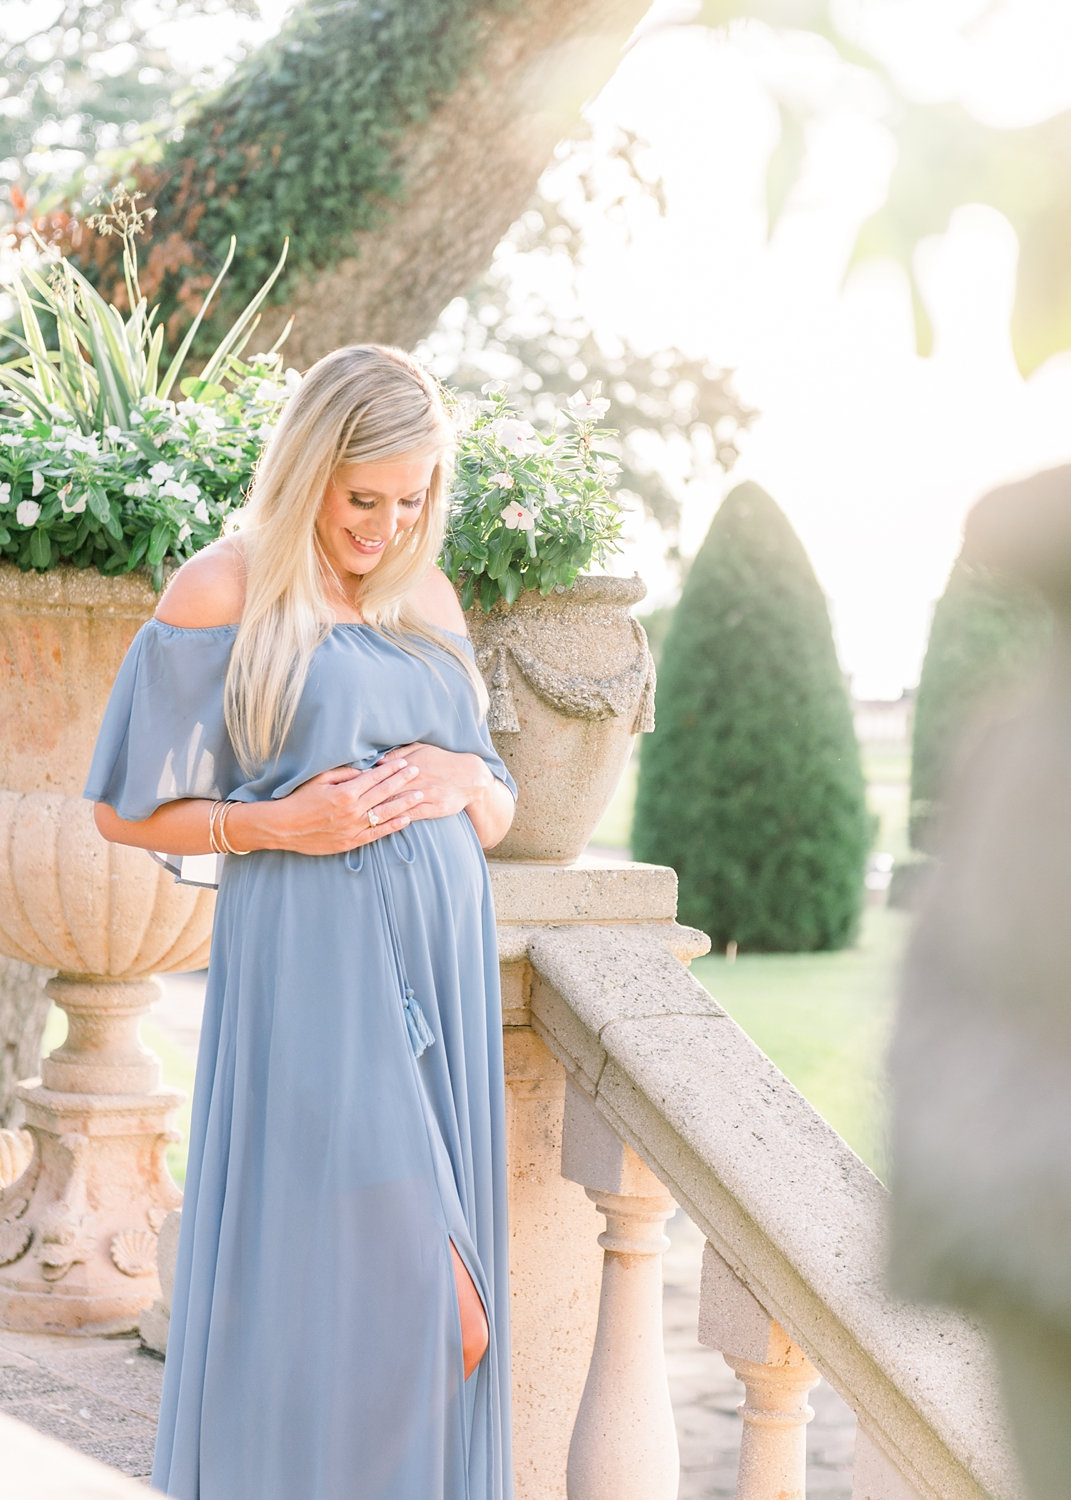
227,847
213,838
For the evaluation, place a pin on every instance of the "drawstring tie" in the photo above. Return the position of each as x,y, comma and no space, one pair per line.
419,1032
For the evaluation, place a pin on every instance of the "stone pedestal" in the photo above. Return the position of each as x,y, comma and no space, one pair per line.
78,1227
556,1260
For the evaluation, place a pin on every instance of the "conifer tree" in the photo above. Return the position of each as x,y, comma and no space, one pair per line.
987,632
751,785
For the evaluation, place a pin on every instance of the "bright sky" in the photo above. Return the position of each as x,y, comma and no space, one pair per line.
874,454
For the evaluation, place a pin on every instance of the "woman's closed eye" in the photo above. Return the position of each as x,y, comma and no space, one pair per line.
414,502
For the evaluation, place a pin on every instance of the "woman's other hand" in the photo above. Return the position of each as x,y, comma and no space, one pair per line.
454,781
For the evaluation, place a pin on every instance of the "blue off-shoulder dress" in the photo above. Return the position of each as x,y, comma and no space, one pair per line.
348,1110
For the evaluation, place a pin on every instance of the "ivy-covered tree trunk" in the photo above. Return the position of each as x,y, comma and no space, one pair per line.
393,144
23,1012
467,173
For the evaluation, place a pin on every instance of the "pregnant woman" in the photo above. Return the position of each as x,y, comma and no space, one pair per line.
302,724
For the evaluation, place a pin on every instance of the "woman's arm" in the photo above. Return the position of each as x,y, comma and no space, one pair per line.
327,814
491,813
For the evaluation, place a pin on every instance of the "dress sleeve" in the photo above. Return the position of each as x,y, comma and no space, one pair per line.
163,735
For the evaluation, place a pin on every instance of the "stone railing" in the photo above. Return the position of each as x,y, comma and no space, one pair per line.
630,1090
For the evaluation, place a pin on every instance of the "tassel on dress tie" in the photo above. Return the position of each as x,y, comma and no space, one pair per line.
417,1029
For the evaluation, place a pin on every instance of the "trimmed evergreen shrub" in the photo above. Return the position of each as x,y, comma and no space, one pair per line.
987,634
751,784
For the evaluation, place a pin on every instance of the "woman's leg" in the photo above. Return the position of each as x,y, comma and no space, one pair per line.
474,1329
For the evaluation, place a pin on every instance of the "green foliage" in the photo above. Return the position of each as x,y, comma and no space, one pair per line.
751,785
986,636
99,467
105,365
529,509
150,492
300,141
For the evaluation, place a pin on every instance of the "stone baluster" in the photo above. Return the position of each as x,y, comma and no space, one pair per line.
776,1375
624,1443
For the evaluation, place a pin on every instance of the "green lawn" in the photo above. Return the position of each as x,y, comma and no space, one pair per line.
824,1019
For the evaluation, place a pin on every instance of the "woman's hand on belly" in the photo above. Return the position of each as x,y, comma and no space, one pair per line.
449,779
328,814
454,781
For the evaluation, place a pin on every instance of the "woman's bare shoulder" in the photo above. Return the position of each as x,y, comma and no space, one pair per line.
436,600
209,588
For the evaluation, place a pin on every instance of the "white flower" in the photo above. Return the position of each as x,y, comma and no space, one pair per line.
207,420
516,516
233,522
292,380
161,471
138,488
550,495
27,512
493,388
75,507
12,439
76,442
504,480
5,494
200,511
112,433
186,492
515,435
270,390
184,531
607,468
38,482
583,409
136,419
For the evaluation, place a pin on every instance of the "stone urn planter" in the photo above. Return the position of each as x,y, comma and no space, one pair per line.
78,1227
571,682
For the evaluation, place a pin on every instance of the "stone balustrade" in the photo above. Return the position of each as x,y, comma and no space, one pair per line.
630,1090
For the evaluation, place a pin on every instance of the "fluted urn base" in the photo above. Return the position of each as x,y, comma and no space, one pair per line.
78,1229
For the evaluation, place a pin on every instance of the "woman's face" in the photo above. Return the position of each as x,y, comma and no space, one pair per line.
366,505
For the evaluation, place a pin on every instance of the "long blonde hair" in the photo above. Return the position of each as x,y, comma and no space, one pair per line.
361,404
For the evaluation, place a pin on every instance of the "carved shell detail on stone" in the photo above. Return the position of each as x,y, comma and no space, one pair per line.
15,1236
16,1153
156,1217
134,1251
65,1238
578,697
